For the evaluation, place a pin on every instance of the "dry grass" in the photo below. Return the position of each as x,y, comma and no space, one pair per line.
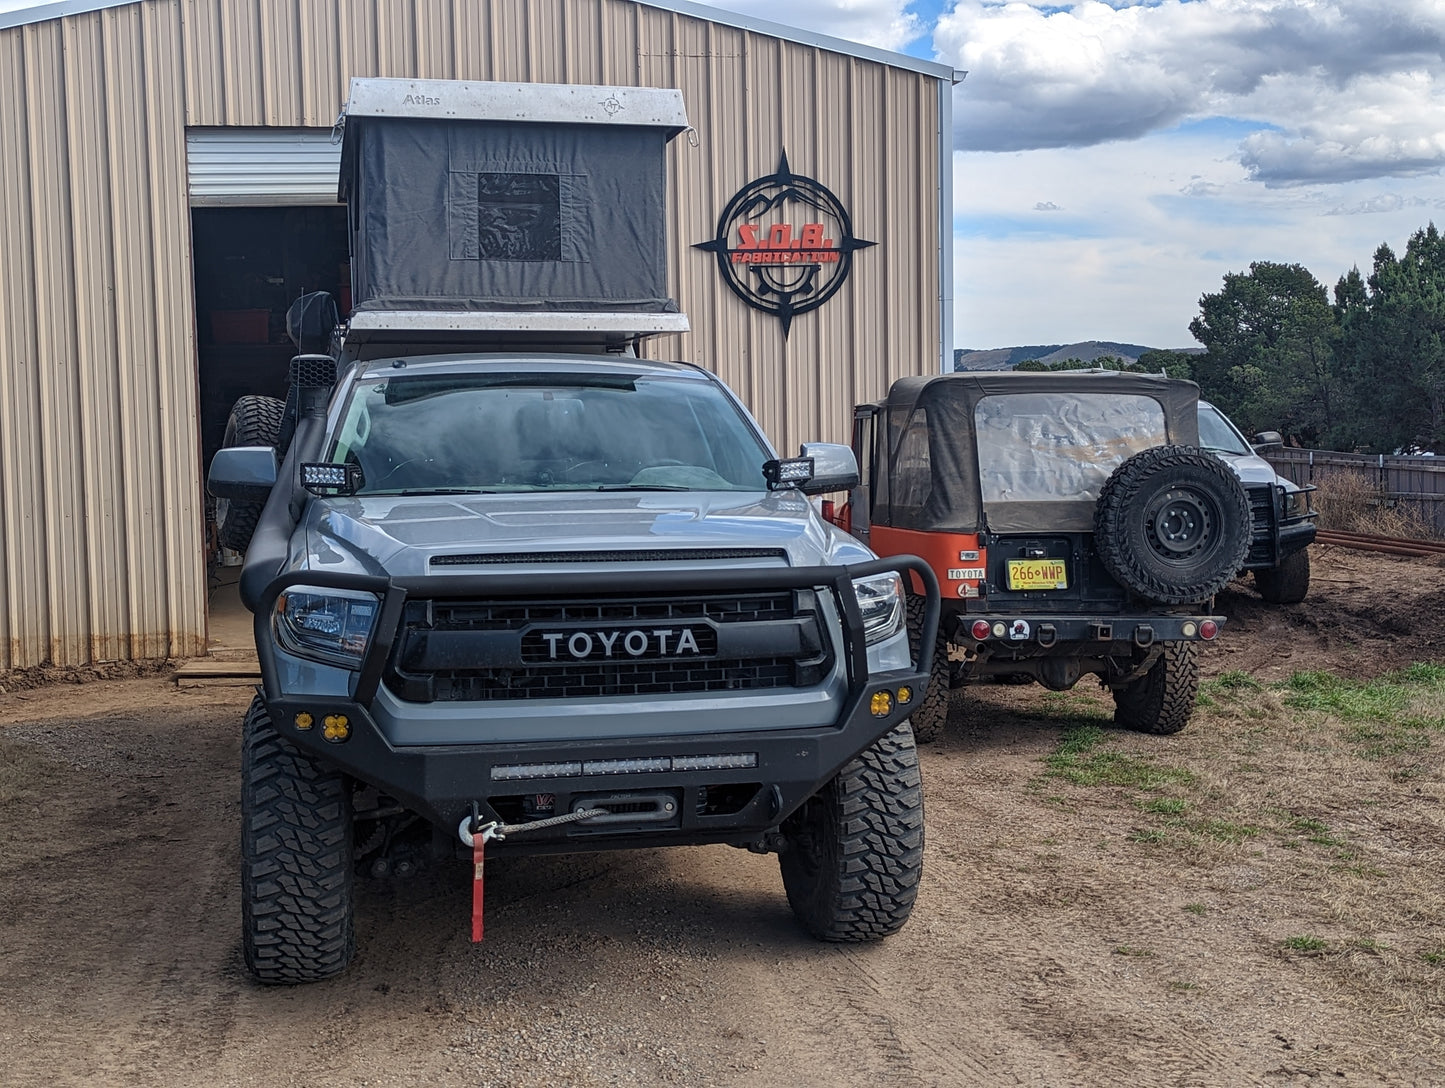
1351,502
1329,792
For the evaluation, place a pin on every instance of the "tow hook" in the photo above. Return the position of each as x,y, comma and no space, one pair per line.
1048,634
1143,636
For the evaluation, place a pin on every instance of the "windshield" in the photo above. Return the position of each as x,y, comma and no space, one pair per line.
1217,434
423,433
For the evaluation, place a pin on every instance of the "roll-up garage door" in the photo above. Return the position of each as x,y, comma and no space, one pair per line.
256,167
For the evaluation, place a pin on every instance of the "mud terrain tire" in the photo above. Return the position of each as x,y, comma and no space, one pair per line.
296,860
1287,583
929,716
855,848
1162,700
1172,524
254,421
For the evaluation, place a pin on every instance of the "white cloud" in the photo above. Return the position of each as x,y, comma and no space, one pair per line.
1352,88
1384,203
885,24
1145,229
1046,206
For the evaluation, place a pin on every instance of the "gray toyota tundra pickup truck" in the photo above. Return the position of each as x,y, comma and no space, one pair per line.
506,589
515,587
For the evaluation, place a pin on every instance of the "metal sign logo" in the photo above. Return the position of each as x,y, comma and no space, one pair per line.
784,244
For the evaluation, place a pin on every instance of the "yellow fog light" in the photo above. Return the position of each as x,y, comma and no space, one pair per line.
905,695
882,704
336,727
304,720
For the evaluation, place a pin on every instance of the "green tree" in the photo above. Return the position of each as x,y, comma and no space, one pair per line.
1176,364
1392,346
1269,338
1031,364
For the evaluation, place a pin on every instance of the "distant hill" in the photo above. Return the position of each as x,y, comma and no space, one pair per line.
1087,351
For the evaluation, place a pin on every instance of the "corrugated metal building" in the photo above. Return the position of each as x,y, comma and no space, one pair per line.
123,125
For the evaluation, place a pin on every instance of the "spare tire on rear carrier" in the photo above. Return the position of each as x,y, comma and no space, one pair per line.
1172,524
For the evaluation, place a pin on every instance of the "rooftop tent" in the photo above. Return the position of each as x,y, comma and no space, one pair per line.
515,197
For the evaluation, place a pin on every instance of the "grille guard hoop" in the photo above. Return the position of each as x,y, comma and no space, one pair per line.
394,592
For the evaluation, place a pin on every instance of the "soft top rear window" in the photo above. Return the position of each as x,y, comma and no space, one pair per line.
1035,447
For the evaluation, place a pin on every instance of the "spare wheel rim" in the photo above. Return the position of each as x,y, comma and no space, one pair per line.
1180,523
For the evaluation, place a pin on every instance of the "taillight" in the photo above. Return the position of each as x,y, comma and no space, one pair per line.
980,629
1208,629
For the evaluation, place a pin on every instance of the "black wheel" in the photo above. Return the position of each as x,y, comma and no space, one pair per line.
1287,583
931,714
1172,524
1162,700
254,421
855,850
296,867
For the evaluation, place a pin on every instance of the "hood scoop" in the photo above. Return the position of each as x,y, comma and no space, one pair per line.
626,555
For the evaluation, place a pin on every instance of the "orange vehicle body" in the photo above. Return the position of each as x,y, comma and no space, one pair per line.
957,560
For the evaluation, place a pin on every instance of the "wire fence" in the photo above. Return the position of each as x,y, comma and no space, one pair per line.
1413,485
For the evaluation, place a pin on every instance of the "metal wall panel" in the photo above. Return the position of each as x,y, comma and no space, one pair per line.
24,605
173,340
59,499
100,494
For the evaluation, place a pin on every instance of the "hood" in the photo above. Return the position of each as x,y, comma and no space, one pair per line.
1253,469
408,536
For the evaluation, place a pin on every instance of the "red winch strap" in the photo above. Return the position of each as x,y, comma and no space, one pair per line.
479,846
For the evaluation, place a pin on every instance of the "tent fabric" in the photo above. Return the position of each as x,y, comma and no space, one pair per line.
1048,441
494,215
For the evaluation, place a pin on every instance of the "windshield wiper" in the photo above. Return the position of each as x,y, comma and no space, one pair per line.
639,487
445,491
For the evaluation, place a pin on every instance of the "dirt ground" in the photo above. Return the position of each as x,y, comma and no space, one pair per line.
1064,935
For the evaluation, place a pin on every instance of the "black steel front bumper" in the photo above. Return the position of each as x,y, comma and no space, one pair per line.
1285,541
442,782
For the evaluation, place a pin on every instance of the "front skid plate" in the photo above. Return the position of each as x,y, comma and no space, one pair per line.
442,781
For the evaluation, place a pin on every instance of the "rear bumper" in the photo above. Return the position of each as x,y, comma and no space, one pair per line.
1095,635
722,786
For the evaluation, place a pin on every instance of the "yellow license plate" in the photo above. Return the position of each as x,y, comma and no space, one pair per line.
1037,574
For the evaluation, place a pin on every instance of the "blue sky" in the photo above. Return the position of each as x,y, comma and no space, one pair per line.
1113,160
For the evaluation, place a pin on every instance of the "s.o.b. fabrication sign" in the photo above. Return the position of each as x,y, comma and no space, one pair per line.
784,244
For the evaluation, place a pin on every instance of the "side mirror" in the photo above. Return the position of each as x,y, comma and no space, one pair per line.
243,473
1267,440
834,468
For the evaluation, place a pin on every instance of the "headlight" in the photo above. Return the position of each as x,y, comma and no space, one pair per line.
1296,504
330,625
880,599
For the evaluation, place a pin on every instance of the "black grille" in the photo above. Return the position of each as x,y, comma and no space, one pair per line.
498,650
1261,516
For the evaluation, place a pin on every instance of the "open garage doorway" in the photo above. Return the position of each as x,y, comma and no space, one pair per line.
251,263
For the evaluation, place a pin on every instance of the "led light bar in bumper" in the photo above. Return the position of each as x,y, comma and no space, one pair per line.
509,772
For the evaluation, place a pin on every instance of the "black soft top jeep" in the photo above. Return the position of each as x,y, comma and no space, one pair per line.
1073,524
